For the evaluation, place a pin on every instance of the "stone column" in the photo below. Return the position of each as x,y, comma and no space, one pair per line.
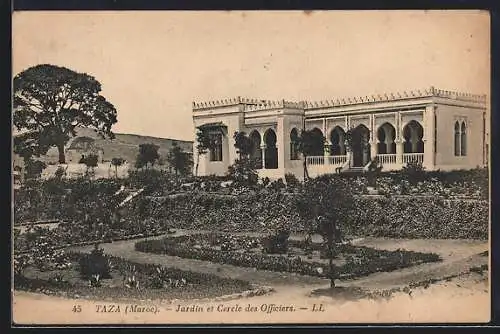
399,151
429,138
373,148
282,139
263,149
326,152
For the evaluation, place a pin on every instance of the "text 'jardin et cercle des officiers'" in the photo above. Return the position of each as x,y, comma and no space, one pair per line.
231,308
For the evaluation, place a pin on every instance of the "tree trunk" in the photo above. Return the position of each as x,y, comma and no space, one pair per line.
116,171
62,157
306,173
197,164
331,268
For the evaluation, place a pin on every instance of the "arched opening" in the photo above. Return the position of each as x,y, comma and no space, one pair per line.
337,138
271,151
463,139
318,148
386,135
294,144
256,154
413,134
360,146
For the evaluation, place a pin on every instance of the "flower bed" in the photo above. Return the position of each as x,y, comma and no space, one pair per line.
127,280
244,251
62,237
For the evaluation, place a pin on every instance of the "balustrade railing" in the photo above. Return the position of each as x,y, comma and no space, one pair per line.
336,159
386,159
315,160
409,157
328,160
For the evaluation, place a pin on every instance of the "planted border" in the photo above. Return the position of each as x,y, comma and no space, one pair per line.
213,286
372,260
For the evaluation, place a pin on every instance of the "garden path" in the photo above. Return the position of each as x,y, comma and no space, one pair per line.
458,256
442,302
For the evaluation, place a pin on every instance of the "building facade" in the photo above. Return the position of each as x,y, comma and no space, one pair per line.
443,130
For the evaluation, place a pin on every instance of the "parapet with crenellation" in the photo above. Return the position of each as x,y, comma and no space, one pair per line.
429,92
257,105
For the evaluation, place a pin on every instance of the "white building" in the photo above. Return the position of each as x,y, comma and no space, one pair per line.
442,129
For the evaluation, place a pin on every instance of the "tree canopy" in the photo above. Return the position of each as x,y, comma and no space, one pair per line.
50,102
180,161
204,142
243,144
148,154
309,142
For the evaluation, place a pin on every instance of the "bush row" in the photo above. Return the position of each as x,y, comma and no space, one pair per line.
405,217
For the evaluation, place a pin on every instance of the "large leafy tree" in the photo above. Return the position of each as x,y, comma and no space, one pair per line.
308,143
50,102
181,161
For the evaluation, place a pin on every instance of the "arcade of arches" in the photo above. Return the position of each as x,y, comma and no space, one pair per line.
265,151
385,141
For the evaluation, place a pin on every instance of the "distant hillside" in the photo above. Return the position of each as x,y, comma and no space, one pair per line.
124,145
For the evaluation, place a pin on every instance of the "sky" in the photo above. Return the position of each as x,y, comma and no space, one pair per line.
153,65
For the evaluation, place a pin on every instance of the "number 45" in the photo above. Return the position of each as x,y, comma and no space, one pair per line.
77,308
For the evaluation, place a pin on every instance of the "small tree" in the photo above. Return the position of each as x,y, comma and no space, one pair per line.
326,202
181,161
148,154
90,162
204,143
308,143
117,162
243,171
413,171
34,168
243,144
60,172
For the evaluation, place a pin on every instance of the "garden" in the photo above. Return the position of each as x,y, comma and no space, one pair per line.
447,206
284,254
96,275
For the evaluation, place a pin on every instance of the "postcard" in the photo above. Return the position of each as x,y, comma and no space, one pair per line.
250,167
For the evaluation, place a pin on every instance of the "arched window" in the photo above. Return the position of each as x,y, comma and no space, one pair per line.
294,144
318,146
386,136
271,151
457,139
413,134
463,139
256,154
337,138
